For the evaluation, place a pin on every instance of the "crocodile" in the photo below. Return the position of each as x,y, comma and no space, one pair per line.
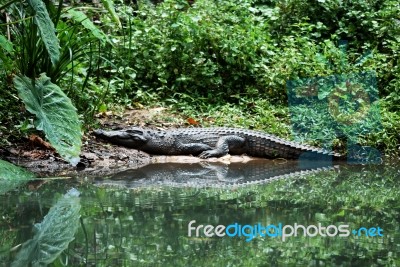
214,142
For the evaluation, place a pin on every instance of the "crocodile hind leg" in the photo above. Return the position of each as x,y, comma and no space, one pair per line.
222,146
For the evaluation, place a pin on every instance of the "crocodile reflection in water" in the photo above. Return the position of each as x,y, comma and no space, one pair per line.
213,174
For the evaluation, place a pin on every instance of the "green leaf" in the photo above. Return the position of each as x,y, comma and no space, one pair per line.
80,17
12,176
323,94
109,5
5,44
47,30
53,234
55,115
341,213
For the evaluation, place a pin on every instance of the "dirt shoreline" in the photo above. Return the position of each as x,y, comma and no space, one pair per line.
97,158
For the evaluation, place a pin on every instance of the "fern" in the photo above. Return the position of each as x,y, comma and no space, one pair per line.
55,114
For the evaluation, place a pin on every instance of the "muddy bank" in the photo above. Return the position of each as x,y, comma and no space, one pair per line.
96,158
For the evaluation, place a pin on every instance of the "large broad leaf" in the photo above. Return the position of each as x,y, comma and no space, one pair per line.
12,176
80,17
53,234
55,114
47,29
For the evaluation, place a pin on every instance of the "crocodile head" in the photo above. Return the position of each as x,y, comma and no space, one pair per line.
133,137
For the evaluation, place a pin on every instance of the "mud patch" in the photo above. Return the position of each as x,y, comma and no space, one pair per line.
96,158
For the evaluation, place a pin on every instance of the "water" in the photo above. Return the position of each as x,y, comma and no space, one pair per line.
146,224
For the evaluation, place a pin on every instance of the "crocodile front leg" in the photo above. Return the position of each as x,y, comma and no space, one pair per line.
222,146
192,148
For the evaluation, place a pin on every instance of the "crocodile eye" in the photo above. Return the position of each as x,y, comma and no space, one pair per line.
136,134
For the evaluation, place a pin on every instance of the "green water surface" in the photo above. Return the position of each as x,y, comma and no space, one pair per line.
148,226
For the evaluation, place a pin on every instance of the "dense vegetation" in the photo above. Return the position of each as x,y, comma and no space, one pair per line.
220,62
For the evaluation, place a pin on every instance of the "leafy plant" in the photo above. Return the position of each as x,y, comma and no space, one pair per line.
46,29
36,47
55,114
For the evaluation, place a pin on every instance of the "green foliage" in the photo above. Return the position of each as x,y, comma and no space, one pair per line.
35,49
37,45
53,234
12,172
386,137
208,50
33,34
359,20
257,114
226,50
338,107
6,49
5,44
55,115
109,5
369,26
81,17
10,112
46,29
203,55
